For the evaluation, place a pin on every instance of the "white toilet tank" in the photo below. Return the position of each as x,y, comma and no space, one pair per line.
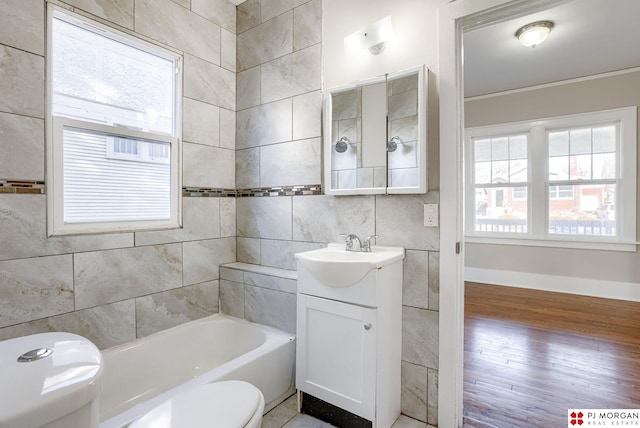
49,380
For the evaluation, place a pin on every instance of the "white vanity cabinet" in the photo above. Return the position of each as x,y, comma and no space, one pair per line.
337,357
349,342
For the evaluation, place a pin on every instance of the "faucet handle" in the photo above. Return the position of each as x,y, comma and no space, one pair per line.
366,245
348,238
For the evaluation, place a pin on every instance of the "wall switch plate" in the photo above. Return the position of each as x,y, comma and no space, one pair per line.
431,215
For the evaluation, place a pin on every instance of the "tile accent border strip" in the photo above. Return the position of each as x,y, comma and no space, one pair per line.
22,186
310,189
208,192
38,187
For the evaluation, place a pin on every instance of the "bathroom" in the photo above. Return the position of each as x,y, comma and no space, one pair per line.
252,102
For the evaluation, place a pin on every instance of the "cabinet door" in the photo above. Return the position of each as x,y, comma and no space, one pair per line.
336,354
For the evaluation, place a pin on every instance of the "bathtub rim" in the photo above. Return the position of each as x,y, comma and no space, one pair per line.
135,342
274,340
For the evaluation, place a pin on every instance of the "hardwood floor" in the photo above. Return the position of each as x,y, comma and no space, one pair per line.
529,356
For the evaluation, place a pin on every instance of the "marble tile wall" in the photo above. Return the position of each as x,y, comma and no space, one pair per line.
279,98
260,294
115,287
278,126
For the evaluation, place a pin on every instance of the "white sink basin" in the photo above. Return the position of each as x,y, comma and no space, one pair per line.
336,267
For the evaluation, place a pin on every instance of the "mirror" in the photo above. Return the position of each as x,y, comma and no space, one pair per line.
375,136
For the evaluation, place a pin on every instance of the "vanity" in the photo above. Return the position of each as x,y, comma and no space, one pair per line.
349,331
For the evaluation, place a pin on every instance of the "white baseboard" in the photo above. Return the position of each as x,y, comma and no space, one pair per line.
561,284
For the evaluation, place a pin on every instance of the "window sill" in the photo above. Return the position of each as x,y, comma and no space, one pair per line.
552,243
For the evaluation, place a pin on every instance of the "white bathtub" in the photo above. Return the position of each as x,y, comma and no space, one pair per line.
141,374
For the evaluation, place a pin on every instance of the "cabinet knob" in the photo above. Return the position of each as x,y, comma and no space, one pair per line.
367,326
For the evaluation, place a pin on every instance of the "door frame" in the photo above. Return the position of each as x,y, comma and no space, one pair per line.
454,18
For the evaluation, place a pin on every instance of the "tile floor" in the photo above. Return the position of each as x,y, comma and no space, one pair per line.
285,415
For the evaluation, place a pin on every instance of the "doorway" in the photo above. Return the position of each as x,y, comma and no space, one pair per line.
456,19
523,358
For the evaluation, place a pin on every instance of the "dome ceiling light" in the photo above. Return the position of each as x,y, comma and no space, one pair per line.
531,35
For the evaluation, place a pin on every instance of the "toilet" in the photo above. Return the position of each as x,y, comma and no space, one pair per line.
226,404
50,380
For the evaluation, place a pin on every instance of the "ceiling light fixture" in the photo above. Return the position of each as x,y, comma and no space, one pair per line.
535,33
373,37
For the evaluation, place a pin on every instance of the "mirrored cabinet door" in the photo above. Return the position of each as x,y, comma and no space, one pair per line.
358,130
404,131
375,136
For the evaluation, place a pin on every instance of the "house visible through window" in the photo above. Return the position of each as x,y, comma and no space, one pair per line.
560,192
501,183
114,129
563,178
583,169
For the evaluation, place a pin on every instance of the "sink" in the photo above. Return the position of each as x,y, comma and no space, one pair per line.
336,267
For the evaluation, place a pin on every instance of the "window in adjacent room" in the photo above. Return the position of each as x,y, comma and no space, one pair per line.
561,179
113,129
501,188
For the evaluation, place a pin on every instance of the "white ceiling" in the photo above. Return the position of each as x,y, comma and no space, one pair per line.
589,37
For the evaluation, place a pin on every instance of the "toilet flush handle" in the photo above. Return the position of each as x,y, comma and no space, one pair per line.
34,355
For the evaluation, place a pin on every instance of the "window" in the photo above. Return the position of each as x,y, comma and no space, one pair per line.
560,192
582,161
501,183
560,179
136,150
113,121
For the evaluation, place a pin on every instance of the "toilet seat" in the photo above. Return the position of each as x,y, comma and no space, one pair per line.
228,404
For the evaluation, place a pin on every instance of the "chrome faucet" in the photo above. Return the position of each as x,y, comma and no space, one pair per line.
363,246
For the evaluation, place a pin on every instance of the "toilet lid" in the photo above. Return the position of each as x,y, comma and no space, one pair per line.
36,391
228,404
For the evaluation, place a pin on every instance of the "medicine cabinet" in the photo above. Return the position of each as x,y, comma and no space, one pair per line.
375,136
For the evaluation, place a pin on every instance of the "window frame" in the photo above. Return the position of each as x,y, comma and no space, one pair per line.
490,132
54,125
538,165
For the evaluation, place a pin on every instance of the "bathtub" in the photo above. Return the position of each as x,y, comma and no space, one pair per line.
141,374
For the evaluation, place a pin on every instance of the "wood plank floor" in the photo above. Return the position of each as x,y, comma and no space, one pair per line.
531,355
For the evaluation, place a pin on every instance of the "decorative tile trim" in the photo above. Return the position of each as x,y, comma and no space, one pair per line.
22,186
208,192
314,189
38,187
311,189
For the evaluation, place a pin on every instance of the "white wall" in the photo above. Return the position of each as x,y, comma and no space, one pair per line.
415,23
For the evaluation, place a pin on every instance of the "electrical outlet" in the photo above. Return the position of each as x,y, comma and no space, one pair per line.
431,215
